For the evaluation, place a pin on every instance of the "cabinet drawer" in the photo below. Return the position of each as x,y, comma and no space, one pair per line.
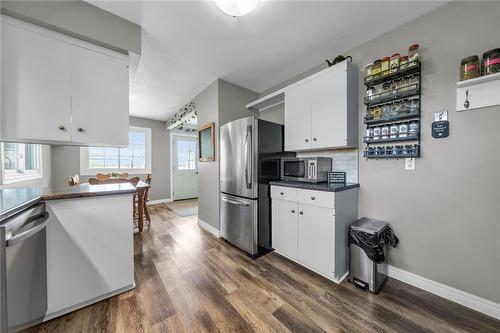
284,193
316,198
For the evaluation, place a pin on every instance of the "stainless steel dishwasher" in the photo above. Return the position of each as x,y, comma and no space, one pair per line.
23,269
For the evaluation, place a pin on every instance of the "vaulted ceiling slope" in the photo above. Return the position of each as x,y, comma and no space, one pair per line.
186,45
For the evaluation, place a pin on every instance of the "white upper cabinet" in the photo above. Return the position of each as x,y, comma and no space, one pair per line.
99,98
298,118
36,83
322,111
58,90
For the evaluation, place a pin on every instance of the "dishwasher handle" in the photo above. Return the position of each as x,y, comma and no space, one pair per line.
39,226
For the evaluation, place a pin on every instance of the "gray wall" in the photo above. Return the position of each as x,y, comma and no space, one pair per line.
446,212
81,20
220,102
66,160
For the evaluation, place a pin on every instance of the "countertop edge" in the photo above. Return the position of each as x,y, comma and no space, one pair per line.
315,187
60,196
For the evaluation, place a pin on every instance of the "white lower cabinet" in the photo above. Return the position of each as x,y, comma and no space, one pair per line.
311,228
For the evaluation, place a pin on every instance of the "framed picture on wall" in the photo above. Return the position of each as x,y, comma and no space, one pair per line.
206,143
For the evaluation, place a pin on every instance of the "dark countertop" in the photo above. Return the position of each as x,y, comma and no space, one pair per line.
14,200
86,190
316,186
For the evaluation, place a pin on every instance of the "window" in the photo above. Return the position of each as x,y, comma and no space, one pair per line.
186,155
134,159
21,161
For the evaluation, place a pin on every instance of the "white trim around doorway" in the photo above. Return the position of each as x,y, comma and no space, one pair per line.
171,163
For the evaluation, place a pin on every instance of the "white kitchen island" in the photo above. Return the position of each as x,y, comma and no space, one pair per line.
89,245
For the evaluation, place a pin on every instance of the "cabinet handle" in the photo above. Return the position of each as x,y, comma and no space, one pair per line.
313,198
282,193
314,139
81,130
293,211
307,140
301,213
61,127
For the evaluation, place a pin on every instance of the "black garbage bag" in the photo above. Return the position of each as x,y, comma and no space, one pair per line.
373,244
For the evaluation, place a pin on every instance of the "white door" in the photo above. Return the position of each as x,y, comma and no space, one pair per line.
329,109
100,99
298,118
284,227
36,81
317,238
185,173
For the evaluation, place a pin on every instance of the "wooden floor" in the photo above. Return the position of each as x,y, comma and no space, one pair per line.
189,281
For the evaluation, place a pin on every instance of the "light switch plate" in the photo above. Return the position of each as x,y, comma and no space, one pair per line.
410,163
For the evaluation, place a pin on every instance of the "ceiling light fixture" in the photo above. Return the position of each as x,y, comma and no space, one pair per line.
236,7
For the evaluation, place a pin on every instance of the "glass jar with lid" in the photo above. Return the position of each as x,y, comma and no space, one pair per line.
368,70
405,81
403,62
469,68
491,62
413,81
414,105
385,65
394,64
396,109
395,84
393,131
376,67
387,111
413,55
377,112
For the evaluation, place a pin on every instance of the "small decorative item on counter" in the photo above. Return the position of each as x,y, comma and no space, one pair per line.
394,64
403,130
393,131
368,70
414,105
385,132
376,68
469,68
491,62
369,134
377,112
403,62
385,65
376,133
412,54
413,128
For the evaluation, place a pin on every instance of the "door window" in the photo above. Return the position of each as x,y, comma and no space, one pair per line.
186,154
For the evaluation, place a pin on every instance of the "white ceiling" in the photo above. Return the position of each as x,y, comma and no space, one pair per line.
186,45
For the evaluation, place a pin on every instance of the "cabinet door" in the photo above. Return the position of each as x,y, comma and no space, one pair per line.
329,108
36,81
284,227
317,238
298,118
100,103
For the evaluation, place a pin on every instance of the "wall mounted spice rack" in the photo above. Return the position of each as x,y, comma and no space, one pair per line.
389,100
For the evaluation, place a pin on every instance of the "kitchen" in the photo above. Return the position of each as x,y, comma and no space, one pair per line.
422,199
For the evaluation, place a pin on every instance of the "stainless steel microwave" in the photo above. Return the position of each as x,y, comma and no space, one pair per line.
306,169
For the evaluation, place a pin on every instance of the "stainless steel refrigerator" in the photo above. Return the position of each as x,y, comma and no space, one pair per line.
250,152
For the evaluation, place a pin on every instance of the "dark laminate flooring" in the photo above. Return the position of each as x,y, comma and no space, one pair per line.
189,281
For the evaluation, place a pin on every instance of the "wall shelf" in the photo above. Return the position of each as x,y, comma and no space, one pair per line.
411,68
399,118
408,138
478,93
393,95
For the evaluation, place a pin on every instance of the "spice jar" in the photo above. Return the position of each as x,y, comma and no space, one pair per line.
369,113
403,130
394,64
369,134
491,62
395,84
413,128
403,62
405,81
413,81
385,65
405,106
376,133
396,109
376,68
393,131
368,70
370,93
387,110
385,132
469,68
386,89
412,54
377,112
414,105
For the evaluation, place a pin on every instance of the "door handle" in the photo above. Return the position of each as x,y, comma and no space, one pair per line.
248,170
234,202
30,232
301,213
80,130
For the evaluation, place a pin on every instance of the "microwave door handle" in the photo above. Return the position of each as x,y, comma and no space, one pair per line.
248,166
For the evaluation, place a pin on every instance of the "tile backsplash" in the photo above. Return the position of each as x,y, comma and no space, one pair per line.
342,160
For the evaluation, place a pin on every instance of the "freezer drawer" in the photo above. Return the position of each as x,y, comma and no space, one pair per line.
238,220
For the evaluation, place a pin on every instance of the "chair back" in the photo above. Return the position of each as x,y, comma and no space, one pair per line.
123,175
133,181
102,176
147,180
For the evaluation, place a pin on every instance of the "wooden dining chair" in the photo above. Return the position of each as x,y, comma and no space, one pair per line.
102,176
147,180
123,176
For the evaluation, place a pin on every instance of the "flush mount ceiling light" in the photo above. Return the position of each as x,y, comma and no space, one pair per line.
236,7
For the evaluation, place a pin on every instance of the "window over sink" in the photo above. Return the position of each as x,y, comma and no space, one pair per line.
20,162
133,159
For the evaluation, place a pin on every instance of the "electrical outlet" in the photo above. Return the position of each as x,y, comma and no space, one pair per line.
410,163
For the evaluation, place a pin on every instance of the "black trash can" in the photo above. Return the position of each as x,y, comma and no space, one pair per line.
368,240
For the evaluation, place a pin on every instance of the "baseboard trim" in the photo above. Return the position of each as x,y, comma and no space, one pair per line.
204,225
471,301
159,201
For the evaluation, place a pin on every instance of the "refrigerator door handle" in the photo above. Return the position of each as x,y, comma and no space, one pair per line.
248,166
234,202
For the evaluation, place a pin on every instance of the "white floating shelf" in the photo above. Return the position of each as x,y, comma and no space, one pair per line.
268,102
480,92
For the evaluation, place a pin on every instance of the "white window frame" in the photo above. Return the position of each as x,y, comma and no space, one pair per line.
17,177
84,158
